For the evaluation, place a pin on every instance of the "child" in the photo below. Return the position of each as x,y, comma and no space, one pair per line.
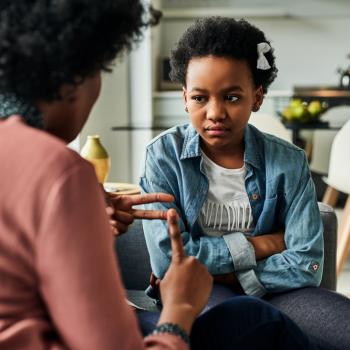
246,199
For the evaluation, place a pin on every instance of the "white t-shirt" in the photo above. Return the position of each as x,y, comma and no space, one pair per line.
226,208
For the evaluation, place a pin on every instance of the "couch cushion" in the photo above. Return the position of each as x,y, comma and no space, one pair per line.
133,257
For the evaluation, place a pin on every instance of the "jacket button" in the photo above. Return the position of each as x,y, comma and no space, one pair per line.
255,196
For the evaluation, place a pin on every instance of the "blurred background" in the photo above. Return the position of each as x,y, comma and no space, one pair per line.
311,45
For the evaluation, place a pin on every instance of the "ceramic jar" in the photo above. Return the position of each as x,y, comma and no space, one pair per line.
94,152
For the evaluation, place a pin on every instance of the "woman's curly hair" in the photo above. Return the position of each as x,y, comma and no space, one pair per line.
47,43
222,37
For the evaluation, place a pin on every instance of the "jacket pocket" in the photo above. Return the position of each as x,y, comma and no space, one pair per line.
267,220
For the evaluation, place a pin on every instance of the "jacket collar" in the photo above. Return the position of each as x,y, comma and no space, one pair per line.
191,145
252,143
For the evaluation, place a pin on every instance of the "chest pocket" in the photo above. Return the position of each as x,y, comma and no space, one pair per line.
267,220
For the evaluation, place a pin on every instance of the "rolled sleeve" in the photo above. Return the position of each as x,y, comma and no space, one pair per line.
241,250
250,283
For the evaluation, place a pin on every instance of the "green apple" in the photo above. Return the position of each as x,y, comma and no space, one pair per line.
298,111
295,102
301,113
287,113
314,108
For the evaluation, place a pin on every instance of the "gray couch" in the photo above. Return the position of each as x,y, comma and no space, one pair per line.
135,265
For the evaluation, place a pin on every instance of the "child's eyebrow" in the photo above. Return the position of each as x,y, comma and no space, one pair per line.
198,89
230,88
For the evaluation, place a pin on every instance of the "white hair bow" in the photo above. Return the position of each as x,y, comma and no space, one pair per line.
262,62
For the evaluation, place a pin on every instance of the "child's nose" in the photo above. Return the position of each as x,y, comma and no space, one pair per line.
216,111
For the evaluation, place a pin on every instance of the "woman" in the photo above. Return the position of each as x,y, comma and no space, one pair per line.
60,286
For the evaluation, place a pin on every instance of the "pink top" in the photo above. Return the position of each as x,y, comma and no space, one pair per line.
59,282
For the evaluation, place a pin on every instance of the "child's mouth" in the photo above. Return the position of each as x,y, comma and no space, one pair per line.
216,131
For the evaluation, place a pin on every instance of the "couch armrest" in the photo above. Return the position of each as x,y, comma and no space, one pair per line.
329,219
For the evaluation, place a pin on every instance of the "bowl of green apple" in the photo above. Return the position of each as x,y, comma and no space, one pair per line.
303,112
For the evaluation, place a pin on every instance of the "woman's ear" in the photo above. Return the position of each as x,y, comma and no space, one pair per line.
184,98
258,99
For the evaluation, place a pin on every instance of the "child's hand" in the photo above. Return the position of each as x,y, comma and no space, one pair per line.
267,245
229,279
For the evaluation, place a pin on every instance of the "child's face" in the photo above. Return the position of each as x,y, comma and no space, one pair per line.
220,96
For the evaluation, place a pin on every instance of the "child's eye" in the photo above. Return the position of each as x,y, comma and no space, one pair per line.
199,99
231,98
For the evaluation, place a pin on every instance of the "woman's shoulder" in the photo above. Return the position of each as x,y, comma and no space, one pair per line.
35,164
36,151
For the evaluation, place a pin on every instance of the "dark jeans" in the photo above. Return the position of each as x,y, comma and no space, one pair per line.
238,322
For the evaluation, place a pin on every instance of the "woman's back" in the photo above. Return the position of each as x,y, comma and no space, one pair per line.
48,247
24,190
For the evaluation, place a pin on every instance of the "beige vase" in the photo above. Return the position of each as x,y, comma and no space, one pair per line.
94,152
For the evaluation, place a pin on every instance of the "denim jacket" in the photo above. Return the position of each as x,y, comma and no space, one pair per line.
281,194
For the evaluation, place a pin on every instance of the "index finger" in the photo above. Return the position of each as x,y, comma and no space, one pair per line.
149,214
151,198
177,248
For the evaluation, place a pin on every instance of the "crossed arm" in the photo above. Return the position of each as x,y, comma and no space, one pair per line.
275,252
264,246
122,214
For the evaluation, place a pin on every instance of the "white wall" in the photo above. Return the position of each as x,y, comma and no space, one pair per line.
112,109
141,109
308,49
126,99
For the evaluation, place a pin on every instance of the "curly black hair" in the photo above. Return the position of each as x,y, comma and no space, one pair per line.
47,43
222,37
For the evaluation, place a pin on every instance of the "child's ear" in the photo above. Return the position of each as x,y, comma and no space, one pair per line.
184,98
258,99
